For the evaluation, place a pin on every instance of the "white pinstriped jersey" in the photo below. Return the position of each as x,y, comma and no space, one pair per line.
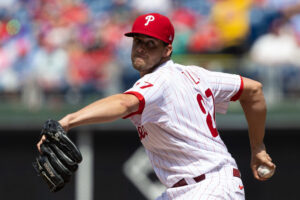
176,119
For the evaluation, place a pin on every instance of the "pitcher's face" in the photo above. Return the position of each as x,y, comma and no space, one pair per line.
147,53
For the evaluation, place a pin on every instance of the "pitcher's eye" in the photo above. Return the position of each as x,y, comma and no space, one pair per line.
150,44
136,40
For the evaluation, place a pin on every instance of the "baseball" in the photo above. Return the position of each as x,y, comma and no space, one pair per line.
265,171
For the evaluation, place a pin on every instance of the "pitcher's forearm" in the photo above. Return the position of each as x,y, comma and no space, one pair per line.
104,110
255,113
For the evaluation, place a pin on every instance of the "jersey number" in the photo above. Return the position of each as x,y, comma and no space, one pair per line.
147,84
209,120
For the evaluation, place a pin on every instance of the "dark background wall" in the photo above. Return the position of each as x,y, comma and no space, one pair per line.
112,148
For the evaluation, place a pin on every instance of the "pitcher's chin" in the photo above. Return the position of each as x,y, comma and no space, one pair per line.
138,63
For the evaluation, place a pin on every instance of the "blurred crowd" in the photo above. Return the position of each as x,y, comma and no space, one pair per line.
77,47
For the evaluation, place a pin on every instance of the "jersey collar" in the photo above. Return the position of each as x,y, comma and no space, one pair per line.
165,64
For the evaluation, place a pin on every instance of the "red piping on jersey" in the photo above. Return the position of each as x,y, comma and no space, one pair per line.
238,94
141,106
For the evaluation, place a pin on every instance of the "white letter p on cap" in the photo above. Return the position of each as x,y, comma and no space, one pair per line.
149,19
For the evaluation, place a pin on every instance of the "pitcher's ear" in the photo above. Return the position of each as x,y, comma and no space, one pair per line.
168,50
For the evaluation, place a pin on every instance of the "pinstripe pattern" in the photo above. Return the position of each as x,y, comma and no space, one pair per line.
179,142
218,185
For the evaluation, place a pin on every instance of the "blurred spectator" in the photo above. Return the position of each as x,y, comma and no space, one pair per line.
7,4
49,66
266,12
86,67
15,46
273,34
277,48
278,55
230,17
146,6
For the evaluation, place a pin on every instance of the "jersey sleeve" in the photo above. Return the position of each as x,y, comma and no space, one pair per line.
150,92
226,87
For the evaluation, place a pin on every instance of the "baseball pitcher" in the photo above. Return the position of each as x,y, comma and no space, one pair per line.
173,108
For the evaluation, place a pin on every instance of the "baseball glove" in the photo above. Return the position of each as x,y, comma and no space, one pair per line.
59,156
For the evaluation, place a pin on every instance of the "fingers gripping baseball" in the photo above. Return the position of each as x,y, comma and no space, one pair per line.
261,158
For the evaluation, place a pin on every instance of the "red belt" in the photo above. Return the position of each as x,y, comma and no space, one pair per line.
182,182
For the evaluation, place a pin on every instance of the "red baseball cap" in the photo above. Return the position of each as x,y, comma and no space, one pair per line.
154,25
